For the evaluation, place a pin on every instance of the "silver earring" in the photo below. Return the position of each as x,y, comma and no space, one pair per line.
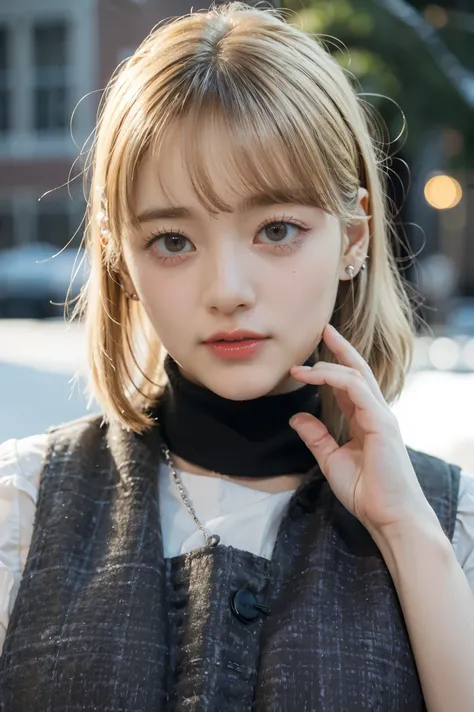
351,271
133,296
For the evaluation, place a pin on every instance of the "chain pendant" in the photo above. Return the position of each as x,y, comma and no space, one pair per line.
212,540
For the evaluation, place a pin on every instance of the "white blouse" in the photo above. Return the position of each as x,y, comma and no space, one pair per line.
244,518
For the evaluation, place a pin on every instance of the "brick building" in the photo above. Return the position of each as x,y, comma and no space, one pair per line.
56,55
55,58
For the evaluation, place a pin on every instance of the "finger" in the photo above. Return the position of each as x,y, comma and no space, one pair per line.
343,400
371,413
316,437
347,355
326,366
346,406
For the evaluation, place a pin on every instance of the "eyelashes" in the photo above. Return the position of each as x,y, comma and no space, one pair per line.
178,239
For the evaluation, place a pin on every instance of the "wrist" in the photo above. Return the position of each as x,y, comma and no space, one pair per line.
418,519
413,538
423,525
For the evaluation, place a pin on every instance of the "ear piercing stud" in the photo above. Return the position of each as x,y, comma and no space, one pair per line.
351,270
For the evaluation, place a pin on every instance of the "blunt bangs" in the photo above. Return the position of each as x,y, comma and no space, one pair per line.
277,133
267,156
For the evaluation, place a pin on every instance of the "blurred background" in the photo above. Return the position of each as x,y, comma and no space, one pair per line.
55,59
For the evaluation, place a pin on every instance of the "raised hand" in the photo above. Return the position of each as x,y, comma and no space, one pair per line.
371,474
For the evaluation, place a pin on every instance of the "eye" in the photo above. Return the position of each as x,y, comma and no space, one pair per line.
168,244
280,231
284,235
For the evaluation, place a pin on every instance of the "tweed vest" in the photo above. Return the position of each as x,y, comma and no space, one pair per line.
104,622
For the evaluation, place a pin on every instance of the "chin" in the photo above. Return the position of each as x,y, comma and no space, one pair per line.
250,384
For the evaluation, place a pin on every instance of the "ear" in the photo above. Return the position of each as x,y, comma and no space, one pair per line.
125,280
356,238
127,283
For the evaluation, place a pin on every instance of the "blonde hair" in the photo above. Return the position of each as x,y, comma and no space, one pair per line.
300,132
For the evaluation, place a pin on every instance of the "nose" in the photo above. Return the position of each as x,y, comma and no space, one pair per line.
228,283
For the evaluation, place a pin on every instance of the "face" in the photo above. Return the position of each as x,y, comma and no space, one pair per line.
271,269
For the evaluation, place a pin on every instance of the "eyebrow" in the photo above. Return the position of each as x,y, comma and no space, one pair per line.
180,212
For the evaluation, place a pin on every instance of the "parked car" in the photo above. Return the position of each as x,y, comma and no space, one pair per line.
34,282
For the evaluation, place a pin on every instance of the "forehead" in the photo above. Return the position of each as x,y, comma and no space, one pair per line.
218,168
177,171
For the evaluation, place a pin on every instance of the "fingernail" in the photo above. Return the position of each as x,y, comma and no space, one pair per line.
302,368
333,329
302,421
294,420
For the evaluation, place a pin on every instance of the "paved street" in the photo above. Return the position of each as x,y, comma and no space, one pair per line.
38,361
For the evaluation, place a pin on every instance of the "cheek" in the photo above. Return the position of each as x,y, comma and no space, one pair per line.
314,279
168,302
307,303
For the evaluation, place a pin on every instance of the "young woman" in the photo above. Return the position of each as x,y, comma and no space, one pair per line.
242,527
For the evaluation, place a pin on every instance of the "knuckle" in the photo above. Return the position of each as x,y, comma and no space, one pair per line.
316,440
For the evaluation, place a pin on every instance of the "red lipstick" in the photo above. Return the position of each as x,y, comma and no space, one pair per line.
237,344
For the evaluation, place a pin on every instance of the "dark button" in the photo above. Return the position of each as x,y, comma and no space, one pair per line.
245,606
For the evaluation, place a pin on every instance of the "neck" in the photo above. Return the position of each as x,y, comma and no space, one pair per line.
240,439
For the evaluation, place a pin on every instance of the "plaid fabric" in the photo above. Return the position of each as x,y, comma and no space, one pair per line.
103,622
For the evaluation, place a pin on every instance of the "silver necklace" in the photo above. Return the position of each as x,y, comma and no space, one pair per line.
211,539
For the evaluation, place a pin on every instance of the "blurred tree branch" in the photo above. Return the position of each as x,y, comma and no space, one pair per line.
418,67
446,60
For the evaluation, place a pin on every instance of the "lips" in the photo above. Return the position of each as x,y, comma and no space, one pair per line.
236,336
238,347
235,341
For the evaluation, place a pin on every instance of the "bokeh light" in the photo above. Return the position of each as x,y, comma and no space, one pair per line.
467,355
444,354
436,16
443,192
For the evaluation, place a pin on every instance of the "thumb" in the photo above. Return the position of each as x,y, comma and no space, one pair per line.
316,437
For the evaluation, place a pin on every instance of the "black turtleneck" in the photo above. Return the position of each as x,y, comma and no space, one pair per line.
250,438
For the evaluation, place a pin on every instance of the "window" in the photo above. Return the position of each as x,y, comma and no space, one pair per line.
5,81
51,77
53,223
